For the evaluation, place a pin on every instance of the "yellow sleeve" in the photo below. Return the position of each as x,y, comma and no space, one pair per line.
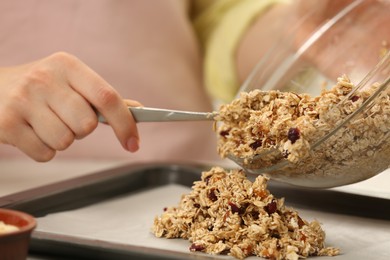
220,24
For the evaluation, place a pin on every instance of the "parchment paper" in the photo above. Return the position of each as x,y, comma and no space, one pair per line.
128,219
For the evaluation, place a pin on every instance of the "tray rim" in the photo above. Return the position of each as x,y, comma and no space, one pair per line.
21,200
29,197
16,200
25,200
116,248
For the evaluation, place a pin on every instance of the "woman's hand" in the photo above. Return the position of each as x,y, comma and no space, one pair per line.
47,104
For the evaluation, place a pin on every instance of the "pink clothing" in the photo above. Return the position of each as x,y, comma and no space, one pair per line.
105,35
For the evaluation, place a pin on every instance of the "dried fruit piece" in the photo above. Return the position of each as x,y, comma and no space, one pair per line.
354,98
256,144
212,196
194,247
224,133
271,207
293,134
234,207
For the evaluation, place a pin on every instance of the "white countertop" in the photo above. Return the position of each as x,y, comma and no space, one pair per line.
22,174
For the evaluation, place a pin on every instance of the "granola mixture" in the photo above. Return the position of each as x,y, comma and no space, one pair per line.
225,213
286,125
5,228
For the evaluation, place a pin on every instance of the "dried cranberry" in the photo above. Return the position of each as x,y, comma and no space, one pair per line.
301,223
234,207
256,144
255,215
207,179
212,196
293,134
225,252
243,207
194,247
271,207
224,133
354,98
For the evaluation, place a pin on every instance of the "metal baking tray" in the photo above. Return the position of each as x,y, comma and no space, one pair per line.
132,180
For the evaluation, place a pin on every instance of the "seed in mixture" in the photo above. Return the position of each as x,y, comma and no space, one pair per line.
245,219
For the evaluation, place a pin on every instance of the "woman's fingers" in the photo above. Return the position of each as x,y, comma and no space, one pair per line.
59,137
20,134
52,102
29,143
132,103
74,111
105,99
34,148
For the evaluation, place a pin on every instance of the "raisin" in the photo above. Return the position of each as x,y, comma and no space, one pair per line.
271,207
197,205
225,252
224,133
194,247
243,207
234,207
212,196
293,134
354,98
301,223
207,179
256,144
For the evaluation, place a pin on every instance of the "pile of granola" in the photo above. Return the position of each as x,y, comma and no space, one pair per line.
285,125
225,213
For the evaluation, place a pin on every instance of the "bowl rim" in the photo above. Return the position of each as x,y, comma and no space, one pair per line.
31,222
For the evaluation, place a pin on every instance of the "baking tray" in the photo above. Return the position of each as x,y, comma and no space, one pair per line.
129,181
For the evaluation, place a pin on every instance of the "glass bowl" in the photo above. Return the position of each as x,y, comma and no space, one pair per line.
319,48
